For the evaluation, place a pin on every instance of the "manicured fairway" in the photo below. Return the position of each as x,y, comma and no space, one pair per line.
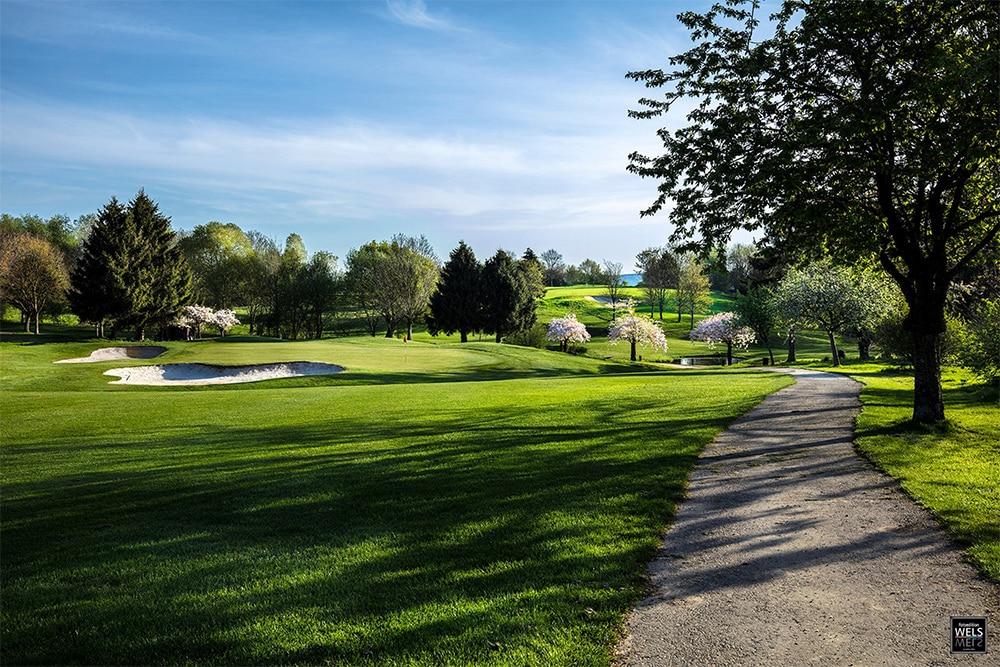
436,504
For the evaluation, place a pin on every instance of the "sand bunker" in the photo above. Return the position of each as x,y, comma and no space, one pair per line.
118,353
201,374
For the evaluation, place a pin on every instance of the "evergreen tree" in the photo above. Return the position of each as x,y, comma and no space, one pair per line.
455,306
131,272
97,289
162,283
507,297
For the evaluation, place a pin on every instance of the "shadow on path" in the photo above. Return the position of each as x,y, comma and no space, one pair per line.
791,550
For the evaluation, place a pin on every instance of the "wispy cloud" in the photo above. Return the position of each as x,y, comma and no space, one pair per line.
414,13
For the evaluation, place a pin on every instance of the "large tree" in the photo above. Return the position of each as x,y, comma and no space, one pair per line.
131,271
508,298
868,128
218,255
554,267
660,270
33,275
455,306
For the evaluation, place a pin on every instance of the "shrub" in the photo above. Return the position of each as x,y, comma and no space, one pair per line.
533,337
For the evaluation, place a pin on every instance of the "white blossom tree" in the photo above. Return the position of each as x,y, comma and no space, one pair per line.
196,317
224,320
833,298
637,330
567,330
724,328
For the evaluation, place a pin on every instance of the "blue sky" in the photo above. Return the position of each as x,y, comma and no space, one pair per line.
503,124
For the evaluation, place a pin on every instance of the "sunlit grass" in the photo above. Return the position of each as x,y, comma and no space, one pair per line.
435,504
951,468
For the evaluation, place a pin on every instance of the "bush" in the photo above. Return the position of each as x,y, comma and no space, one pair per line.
533,337
979,350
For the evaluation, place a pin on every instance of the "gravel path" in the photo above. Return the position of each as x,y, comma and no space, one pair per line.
792,550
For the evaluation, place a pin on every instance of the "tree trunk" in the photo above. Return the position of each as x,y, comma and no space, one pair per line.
833,349
409,328
729,353
928,401
633,350
791,345
499,337
465,336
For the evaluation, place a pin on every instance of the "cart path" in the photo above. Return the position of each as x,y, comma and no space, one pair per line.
793,550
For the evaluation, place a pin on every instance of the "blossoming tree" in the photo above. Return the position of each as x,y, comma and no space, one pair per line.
224,320
637,330
567,330
196,317
724,328
199,316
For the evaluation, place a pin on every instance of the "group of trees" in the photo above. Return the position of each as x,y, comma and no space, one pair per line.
669,273
557,273
285,291
864,129
499,296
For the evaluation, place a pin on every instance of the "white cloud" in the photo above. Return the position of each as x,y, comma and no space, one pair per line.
414,13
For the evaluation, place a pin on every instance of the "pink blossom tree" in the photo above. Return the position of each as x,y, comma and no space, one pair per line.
724,328
637,330
567,330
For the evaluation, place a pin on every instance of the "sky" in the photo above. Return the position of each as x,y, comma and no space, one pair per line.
503,124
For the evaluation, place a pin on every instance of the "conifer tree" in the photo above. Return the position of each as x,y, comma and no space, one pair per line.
131,272
455,306
507,297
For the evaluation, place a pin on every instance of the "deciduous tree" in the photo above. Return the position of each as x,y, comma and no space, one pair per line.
566,330
865,128
33,275
637,330
724,328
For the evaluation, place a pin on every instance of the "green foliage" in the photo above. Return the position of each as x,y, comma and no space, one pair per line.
33,275
217,254
508,297
131,272
757,309
535,336
979,347
863,129
692,295
435,504
455,305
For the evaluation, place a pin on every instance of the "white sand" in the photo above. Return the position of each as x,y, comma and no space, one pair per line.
118,353
603,300
202,374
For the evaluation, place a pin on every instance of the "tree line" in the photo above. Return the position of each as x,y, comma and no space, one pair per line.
125,269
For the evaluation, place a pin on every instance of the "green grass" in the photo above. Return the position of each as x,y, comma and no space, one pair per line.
953,469
436,504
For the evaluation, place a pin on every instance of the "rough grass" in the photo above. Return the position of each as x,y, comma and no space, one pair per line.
952,468
436,504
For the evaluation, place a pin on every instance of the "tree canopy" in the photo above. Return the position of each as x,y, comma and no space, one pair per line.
862,128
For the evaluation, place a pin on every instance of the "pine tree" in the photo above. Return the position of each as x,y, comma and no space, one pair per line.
163,283
455,306
131,272
507,297
97,290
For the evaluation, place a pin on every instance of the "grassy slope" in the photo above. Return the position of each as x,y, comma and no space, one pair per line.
441,504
